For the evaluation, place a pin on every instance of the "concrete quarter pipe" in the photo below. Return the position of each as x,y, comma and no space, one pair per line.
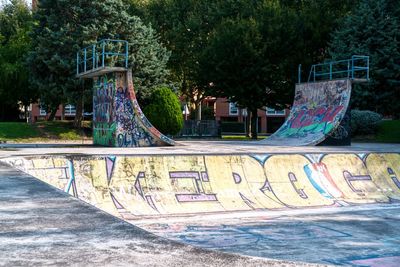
317,112
118,119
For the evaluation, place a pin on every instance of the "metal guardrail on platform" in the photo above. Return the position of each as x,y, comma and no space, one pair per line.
106,53
355,68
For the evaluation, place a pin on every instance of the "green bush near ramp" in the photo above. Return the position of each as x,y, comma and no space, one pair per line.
164,111
364,122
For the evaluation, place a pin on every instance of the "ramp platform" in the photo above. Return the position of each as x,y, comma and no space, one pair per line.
118,120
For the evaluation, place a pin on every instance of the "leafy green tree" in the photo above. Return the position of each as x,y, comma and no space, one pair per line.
280,35
316,21
373,29
248,59
65,26
185,26
15,24
165,112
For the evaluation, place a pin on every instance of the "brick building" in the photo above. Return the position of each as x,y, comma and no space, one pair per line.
66,112
269,120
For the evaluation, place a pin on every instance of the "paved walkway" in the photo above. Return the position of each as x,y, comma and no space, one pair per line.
188,148
42,226
364,235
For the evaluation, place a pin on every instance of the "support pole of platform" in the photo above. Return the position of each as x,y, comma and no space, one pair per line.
314,72
348,69
102,54
352,68
299,76
94,55
126,54
85,61
77,63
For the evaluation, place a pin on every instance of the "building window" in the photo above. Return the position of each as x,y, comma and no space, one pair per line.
233,109
274,112
42,111
70,110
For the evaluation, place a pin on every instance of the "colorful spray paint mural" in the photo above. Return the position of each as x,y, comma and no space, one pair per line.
118,120
152,185
104,124
316,114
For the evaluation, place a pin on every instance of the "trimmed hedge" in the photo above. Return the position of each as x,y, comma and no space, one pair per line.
164,111
364,122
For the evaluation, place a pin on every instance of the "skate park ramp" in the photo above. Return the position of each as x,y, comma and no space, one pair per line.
317,111
118,120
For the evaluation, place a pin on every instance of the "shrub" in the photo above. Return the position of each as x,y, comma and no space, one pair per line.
364,122
164,111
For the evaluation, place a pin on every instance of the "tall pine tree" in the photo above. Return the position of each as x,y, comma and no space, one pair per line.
373,29
65,26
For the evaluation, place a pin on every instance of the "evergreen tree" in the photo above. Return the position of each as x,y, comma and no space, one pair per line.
65,26
171,121
248,60
373,29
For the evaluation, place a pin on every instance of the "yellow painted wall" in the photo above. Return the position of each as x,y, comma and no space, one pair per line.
151,185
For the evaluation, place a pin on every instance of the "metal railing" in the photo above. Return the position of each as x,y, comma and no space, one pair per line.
105,53
357,67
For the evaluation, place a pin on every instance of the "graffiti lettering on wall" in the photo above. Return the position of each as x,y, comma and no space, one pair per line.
317,112
130,131
191,184
103,111
103,133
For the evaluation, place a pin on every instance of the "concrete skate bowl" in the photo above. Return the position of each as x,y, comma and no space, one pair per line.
133,187
230,202
317,111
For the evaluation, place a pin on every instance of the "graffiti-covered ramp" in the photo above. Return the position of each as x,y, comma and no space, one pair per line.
118,120
316,114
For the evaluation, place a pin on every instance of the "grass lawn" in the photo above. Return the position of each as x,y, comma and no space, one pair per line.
16,131
389,132
63,130
41,131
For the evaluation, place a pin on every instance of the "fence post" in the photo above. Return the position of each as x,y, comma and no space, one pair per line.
330,71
